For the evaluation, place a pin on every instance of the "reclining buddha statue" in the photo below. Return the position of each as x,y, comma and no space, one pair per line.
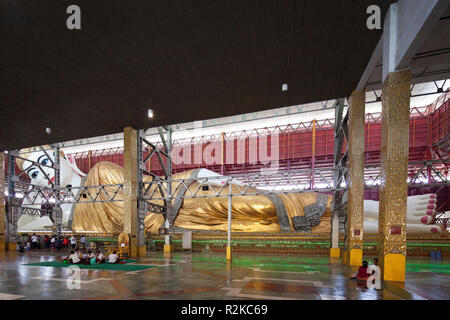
290,212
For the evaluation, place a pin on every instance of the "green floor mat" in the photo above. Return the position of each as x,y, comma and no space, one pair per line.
102,266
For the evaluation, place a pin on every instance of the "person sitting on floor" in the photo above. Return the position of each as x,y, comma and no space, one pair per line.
92,257
91,254
100,257
362,271
86,257
78,253
20,247
73,258
113,258
28,247
83,256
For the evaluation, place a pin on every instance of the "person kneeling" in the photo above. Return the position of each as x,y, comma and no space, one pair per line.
362,271
74,258
113,258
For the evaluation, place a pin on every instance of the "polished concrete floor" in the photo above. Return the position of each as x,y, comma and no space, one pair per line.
207,276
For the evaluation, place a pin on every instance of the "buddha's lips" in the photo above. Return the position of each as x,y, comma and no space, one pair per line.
52,179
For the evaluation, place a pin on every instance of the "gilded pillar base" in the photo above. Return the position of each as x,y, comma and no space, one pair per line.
335,260
169,248
133,248
394,266
228,253
354,257
394,174
335,252
11,246
142,251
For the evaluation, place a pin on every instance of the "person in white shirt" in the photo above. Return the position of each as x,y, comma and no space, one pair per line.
73,258
374,280
113,258
34,241
73,241
100,257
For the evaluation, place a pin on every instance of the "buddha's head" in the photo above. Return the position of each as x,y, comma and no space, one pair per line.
68,167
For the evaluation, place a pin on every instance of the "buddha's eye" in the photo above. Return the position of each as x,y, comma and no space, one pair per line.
34,174
44,161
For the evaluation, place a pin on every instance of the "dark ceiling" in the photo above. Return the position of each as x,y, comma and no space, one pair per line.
188,60
432,61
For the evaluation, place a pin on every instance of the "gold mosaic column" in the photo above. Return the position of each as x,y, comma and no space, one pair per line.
394,174
130,219
2,204
355,219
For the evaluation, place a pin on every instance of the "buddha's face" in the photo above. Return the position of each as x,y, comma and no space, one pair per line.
36,175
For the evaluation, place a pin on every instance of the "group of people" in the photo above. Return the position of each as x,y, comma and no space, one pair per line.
77,256
36,242
82,257
371,274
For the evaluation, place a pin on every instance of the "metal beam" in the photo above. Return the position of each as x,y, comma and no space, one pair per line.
373,61
415,21
407,25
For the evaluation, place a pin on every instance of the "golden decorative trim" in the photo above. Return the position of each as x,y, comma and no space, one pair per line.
394,162
356,130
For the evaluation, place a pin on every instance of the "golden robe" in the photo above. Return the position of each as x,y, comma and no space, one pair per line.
254,213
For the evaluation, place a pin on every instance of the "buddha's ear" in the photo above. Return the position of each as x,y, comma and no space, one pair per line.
61,154
73,165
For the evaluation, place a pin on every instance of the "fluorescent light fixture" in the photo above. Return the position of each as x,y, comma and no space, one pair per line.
284,87
150,113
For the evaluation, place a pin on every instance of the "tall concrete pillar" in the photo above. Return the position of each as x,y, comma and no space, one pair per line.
394,175
2,204
355,218
130,219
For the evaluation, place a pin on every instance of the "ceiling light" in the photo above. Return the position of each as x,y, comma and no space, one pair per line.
48,130
284,87
150,113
